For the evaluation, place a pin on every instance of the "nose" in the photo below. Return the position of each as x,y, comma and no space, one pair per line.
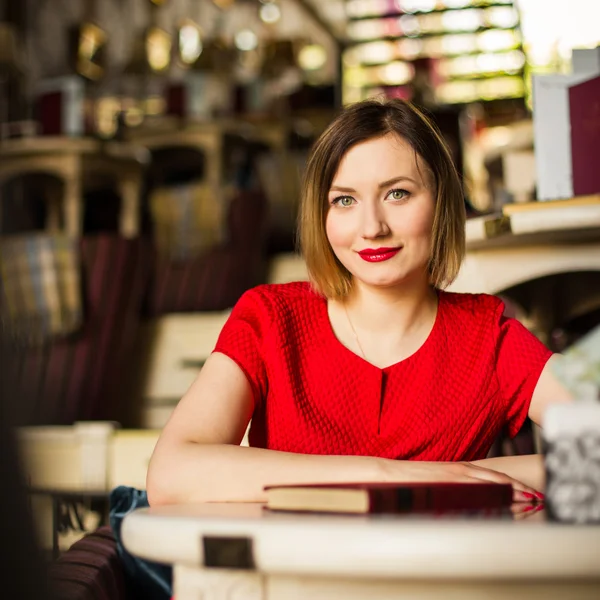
374,224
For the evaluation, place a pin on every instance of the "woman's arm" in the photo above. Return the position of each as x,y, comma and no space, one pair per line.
198,457
548,390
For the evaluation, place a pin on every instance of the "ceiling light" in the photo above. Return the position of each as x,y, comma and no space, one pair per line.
246,40
190,43
270,13
312,57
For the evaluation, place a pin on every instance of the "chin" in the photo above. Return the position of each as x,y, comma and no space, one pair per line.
383,280
387,278
383,283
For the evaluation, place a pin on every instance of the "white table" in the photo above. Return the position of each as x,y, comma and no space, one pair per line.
241,552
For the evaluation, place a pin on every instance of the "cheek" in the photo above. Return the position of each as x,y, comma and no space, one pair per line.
424,225
419,222
338,230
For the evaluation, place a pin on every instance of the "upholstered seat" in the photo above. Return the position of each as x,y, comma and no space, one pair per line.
90,570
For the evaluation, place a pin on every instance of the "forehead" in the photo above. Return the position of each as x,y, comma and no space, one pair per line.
379,159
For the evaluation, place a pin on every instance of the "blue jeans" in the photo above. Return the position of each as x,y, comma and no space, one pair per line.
145,580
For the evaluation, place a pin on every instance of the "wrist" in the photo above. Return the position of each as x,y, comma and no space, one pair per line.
384,469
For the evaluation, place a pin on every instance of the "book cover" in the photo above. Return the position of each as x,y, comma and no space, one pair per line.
552,134
389,498
584,107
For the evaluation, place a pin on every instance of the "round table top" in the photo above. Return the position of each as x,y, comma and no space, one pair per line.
382,546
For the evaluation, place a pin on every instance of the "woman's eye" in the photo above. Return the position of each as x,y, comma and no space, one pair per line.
398,194
344,201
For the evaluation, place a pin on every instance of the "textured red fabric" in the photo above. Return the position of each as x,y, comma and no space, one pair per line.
474,376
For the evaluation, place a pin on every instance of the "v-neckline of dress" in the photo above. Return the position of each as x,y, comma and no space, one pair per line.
328,328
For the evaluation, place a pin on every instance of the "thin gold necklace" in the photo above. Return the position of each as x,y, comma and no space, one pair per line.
362,352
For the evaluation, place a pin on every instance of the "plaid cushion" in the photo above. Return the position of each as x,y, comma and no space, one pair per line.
40,285
188,219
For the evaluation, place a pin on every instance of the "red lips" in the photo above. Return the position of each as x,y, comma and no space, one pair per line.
378,254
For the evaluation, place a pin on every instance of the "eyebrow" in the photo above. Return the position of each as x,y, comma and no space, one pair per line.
383,184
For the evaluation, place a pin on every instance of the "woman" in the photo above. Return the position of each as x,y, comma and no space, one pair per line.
371,372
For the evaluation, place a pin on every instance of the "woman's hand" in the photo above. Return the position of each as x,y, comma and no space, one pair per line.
521,511
521,491
459,472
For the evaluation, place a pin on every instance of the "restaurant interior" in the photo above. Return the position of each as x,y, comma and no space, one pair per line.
151,160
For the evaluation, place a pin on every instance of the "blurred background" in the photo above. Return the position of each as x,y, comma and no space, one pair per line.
151,153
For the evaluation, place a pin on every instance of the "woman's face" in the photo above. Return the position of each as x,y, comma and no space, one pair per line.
380,216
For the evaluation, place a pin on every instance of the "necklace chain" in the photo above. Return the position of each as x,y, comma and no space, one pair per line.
354,332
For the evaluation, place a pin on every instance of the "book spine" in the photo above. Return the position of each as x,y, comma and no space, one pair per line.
426,499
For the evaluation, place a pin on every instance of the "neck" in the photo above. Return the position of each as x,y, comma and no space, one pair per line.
373,309
385,325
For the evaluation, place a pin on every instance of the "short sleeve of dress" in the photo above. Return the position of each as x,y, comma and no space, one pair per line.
520,359
242,340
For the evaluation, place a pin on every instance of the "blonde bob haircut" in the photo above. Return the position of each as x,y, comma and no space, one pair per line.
358,123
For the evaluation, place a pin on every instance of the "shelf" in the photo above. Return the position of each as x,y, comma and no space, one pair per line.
569,221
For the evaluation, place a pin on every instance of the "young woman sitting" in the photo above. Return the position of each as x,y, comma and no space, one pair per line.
370,372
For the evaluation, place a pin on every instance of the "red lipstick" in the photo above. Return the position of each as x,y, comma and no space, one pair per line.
378,254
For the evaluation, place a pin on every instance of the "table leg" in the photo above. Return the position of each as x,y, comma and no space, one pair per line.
55,527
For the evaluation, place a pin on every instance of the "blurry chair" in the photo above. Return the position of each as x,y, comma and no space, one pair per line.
217,278
90,570
170,351
78,377
74,377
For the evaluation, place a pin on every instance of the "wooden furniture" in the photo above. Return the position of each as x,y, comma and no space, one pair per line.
208,138
69,508
79,163
240,551
68,474
61,457
277,168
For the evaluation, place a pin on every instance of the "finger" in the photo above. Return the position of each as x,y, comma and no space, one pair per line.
520,510
521,492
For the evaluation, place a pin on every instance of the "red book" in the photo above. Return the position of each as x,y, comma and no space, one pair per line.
585,136
390,498
60,106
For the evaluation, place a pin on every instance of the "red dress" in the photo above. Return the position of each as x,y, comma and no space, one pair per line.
474,375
